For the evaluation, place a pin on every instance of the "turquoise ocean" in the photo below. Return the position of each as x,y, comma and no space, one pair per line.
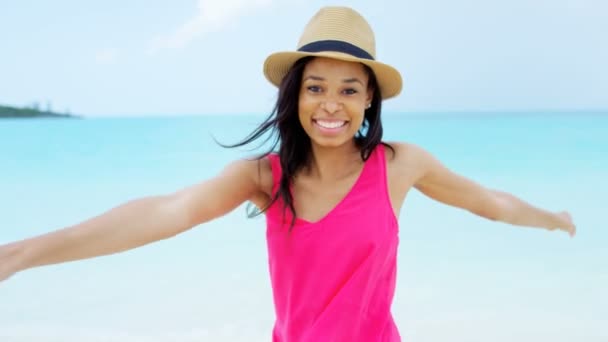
460,278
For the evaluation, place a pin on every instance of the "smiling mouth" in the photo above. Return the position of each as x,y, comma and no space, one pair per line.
330,124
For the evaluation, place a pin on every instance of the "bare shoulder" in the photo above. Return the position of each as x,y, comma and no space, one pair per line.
256,171
404,166
406,158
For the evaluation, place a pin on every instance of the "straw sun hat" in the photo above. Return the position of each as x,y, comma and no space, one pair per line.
339,33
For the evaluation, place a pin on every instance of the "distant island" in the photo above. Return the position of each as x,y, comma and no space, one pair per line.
30,112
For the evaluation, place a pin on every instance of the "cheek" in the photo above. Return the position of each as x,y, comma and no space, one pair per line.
302,118
359,123
305,100
358,119
357,113
306,107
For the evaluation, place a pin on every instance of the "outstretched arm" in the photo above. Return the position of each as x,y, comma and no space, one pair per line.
443,185
136,223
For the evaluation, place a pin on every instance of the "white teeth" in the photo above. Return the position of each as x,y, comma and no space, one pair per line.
330,124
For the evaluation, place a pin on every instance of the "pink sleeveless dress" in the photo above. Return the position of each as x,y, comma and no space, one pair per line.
334,279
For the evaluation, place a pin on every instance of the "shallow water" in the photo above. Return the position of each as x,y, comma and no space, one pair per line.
460,277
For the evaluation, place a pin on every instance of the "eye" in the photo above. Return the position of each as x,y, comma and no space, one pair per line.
350,91
314,89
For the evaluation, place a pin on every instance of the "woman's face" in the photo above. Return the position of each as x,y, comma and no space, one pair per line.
333,97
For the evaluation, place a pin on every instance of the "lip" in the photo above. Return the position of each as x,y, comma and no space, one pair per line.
330,130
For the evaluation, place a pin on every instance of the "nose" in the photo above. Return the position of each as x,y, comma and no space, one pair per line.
331,105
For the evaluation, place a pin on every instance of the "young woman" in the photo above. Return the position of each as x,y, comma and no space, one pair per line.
331,194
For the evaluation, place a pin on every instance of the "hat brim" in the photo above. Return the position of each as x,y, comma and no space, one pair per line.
278,64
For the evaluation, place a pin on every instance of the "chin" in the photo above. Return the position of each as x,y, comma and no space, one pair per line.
332,142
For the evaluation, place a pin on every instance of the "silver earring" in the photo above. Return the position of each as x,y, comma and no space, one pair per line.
369,105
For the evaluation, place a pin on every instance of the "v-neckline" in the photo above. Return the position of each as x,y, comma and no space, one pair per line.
340,202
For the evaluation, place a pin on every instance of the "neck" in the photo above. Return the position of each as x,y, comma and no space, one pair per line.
331,163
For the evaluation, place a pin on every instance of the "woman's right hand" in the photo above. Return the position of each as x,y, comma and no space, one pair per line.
137,222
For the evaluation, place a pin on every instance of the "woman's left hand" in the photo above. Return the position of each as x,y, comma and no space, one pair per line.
565,223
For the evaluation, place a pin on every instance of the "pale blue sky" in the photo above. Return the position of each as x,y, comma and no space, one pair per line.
198,57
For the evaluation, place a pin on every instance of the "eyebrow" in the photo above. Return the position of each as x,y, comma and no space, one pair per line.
346,80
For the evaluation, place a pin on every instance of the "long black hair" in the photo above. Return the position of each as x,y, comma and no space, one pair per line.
283,128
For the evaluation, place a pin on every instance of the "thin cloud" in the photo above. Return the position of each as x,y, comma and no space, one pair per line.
212,16
107,56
